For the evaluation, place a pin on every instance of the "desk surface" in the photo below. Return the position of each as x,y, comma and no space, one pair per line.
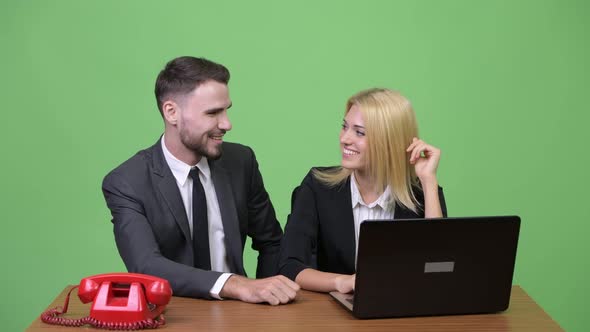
314,311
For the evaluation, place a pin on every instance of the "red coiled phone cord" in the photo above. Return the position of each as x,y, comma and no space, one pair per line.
51,316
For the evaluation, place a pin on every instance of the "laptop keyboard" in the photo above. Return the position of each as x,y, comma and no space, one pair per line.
350,299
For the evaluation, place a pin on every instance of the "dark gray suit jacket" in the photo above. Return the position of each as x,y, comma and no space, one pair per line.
320,229
151,227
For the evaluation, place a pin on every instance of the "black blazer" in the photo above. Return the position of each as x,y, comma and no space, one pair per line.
151,227
320,229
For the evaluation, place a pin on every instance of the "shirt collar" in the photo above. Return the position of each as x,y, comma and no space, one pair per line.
384,201
180,169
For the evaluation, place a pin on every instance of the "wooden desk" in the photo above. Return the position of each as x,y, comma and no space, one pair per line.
315,311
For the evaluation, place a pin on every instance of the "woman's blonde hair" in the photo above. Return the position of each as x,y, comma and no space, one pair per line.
390,125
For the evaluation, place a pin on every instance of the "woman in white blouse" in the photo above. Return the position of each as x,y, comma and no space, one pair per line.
387,172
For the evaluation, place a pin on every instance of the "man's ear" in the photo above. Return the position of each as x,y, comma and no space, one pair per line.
171,112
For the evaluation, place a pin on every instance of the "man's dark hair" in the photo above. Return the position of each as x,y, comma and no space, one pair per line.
182,75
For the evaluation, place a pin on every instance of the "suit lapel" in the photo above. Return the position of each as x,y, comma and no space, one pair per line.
169,190
403,213
346,217
229,217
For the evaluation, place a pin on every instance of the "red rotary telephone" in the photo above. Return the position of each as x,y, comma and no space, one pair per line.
121,301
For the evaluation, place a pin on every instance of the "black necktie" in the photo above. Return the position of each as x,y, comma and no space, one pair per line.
200,224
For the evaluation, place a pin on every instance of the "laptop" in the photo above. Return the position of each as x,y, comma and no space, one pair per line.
428,267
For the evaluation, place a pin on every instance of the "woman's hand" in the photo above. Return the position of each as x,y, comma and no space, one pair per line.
319,281
425,159
345,283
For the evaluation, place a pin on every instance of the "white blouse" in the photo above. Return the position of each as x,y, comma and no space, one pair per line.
382,208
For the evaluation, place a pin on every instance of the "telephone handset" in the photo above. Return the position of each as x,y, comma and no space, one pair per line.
120,301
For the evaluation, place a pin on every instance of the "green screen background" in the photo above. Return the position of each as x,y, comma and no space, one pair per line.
497,85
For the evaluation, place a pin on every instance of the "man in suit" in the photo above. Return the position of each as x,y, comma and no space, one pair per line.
182,209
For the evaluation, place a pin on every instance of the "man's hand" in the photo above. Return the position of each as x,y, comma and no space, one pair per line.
274,290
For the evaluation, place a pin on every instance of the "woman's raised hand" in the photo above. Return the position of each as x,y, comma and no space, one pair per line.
425,159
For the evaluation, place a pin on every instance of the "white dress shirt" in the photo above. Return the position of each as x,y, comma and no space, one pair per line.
382,208
217,249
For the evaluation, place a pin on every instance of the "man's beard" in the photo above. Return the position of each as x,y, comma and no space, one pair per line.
198,147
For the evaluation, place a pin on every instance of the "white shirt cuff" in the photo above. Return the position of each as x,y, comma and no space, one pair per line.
218,286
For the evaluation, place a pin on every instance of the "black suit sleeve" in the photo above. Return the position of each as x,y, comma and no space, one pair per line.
263,227
443,204
138,244
301,231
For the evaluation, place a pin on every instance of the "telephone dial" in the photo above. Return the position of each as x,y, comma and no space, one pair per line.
121,301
